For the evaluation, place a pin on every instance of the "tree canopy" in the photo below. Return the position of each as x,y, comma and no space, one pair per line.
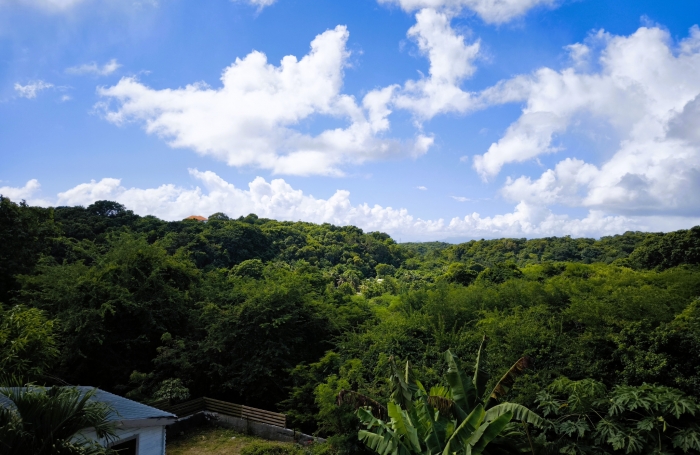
285,315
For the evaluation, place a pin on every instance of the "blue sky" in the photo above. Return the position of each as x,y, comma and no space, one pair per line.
427,119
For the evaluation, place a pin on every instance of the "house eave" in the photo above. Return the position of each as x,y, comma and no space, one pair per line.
143,423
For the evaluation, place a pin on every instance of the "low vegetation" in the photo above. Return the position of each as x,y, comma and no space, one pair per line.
212,440
285,316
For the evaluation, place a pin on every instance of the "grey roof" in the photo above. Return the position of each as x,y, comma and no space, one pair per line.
125,408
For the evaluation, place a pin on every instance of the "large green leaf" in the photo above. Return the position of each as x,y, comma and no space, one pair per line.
429,430
490,431
403,385
403,426
368,419
506,382
461,437
379,437
461,387
385,443
520,413
481,376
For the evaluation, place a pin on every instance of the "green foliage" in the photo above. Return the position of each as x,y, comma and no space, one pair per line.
459,273
53,422
285,315
416,426
172,390
114,311
586,418
25,234
252,268
500,273
663,251
661,355
27,343
385,270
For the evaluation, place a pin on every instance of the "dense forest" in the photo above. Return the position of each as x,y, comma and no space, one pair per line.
286,315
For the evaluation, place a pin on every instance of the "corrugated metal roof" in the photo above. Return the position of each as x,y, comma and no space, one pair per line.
125,408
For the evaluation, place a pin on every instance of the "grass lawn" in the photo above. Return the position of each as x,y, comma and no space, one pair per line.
211,441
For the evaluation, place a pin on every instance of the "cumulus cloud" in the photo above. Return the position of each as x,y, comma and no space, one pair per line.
259,3
422,188
277,199
490,11
18,194
250,120
31,90
648,92
451,62
93,68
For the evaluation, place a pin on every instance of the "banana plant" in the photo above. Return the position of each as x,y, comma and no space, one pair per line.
460,419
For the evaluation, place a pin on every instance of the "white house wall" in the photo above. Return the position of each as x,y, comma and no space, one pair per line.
151,440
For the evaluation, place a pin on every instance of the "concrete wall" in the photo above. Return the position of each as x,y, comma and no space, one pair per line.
151,440
262,430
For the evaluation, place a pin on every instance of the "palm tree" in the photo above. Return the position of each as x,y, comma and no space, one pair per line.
41,421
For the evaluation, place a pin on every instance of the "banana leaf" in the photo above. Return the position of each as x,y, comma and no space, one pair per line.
461,387
403,385
507,381
432,432
386,443
461,437
358,400
490,432
520,413
443,405
403,426
481,376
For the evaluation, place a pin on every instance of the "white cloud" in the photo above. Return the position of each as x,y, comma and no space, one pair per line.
259,3
93,68
460,198
490,11
642,84
31,90
25,192
648,92
279,200
451,61
422,188
250,120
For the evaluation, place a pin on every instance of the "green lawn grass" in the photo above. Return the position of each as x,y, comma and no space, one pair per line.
211,441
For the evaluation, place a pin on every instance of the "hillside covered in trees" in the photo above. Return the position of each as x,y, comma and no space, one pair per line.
285,315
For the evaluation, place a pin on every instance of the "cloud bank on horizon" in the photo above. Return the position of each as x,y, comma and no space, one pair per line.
641,89
279,200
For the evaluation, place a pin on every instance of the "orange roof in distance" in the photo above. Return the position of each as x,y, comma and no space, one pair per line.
196,217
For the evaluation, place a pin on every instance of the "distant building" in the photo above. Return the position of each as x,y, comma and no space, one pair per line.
196,217
140,428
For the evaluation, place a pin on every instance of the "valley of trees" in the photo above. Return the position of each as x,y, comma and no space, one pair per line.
287,315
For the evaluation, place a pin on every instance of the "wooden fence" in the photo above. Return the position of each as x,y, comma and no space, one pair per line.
226,408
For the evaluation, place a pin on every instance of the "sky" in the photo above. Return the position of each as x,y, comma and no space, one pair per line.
426,119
